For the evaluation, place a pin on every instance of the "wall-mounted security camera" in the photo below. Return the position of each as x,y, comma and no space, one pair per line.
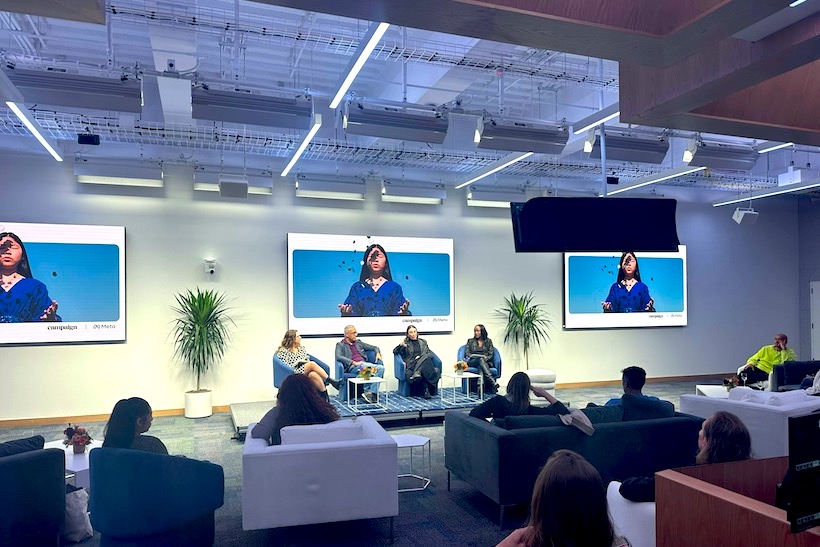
210,266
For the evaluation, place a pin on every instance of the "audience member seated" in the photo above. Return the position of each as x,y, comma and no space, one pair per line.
420,371
568,507
760,365
722,438
517,401
293,354
633,380
129,420
298,403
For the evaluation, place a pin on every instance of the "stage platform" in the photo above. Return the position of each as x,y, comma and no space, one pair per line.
398,408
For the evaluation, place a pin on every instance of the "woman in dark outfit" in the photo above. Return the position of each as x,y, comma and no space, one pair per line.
479,353
418,361
517,401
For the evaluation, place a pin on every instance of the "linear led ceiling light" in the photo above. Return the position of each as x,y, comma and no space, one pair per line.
656,178
420,193
324,187
602,116
410,123
771,146
120,174
621,147
724,156
522,137
317,123
769,192
34,128
494,198
251,108
796,3
497,166
366,47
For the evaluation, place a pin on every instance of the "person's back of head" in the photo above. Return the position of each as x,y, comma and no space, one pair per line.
723,438
299,402
518,391
634,379
121,429
569,507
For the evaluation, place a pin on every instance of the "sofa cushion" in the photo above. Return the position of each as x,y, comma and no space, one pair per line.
637,407
18,446
528,422
340,430
604,414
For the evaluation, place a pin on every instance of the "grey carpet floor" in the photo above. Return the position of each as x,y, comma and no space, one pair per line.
431,517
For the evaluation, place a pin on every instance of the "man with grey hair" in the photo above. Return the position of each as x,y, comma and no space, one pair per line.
352,353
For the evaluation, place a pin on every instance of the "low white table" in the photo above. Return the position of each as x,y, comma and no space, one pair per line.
711,390
413,441
457,380
76,463
372,380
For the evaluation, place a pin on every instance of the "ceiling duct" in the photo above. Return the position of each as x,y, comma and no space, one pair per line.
411,123
74,90
723,156
522,137
625,148
252,109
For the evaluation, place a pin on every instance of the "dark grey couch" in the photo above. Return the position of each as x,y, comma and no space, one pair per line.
787,376
503,464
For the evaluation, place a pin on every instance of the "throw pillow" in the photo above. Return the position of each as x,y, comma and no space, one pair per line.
340,430
604,414
529,422
637,407
18,446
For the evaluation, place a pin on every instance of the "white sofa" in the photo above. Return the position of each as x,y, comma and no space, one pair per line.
766,414
633,520
344,470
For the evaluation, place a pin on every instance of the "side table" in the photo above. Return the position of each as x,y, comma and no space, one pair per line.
457,378
76,463
413,441
372,380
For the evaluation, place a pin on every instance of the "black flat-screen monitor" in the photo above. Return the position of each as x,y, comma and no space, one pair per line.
800,492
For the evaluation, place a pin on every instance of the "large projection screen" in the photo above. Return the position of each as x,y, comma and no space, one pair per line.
83,270
323,269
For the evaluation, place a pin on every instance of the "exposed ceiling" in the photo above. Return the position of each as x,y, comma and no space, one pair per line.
738,72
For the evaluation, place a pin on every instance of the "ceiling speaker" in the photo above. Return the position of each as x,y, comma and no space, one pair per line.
745,215
233,186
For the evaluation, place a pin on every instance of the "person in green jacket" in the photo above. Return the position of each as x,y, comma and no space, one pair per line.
760,365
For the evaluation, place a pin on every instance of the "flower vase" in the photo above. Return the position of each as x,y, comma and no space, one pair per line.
459,372
79,448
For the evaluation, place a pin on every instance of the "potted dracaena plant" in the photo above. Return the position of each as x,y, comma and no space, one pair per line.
527,323
201,331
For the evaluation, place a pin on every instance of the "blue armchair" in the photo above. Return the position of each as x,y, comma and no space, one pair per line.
282,371
495,369
141,498
399,370
342,375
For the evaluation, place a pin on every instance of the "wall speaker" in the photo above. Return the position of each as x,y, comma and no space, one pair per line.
612,180
594,224
233,186
745,215
88,139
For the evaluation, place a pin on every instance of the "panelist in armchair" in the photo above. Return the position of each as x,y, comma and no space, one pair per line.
760,365
351,352
293,354
420,370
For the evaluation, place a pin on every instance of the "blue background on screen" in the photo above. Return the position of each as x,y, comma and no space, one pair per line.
590,277
87,281
322,279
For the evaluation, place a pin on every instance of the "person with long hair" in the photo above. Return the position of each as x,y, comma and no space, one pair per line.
517,401
129,420
722,438
23,299
568,507
375,293
297,403
293,354
419,370
479,353
628,293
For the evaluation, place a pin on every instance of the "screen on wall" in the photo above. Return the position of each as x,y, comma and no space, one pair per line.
61,283
380,284
614,289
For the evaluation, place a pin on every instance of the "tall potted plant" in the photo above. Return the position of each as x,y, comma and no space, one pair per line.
527,323
201,331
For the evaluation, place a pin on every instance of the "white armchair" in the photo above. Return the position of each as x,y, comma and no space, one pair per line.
318,473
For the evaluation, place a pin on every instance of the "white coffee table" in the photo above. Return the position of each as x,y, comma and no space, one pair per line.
711,390
457,380
76,463
372,380
412,441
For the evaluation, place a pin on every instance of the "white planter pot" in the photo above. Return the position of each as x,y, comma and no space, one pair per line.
198,404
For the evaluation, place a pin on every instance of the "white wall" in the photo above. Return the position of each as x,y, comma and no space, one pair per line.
742,288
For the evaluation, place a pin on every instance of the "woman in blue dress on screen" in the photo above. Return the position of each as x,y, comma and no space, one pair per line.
375,293
628,293
22,298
